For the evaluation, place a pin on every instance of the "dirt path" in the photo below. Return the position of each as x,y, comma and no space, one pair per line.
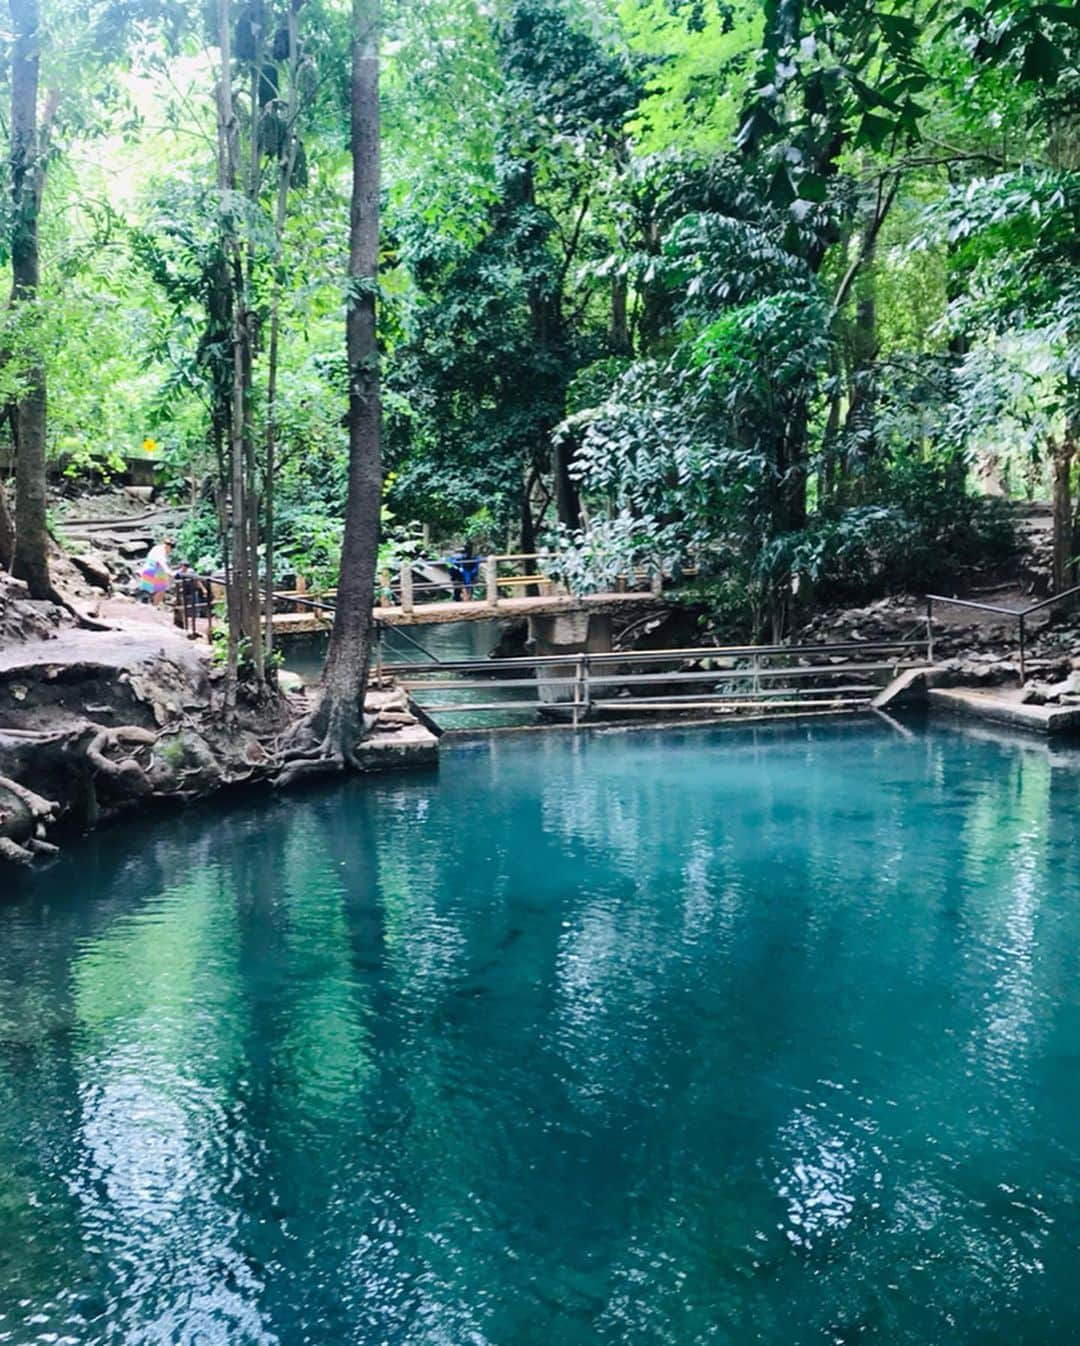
122,649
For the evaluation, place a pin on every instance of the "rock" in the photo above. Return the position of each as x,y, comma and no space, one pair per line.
288,681
93,569
395,718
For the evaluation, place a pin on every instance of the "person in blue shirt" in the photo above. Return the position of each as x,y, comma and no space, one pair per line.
464,568
469,566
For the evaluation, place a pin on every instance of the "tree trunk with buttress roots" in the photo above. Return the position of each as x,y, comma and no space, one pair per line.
338,716
30,559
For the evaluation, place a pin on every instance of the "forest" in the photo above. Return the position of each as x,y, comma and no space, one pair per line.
783,291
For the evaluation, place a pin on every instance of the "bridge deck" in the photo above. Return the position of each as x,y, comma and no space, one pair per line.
423,614
544,605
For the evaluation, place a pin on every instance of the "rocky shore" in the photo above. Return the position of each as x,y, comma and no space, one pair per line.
95,724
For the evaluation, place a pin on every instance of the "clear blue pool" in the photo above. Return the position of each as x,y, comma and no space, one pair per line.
737,1037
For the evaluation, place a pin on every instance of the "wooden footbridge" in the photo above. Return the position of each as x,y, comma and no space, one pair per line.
586,681
578,679
505,586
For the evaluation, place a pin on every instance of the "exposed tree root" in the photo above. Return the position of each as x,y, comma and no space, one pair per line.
127,776
323,742
14,853
41,808
82,621
24,816
184,746
328,757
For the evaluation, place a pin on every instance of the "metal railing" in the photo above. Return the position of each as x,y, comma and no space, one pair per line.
193,598
748,678
1019,615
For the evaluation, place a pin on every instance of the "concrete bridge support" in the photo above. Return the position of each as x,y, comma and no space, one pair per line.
570,633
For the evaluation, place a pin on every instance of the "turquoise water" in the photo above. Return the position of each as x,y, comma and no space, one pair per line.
735,1037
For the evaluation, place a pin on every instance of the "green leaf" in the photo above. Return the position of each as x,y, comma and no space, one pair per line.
781,190
813,187
899,29
874,130
1042,60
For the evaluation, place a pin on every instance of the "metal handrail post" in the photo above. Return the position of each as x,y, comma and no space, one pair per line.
929,628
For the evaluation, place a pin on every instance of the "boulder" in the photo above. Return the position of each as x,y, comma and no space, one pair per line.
93,569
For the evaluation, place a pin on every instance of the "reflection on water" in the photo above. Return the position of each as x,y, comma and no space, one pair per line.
751,1036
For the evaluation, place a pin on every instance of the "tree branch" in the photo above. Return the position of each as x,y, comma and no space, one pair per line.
870,236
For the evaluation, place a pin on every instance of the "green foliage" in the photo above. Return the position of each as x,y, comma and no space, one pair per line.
929,528
766,284
610,552
198,542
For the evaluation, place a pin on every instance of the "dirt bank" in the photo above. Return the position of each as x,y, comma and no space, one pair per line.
99,723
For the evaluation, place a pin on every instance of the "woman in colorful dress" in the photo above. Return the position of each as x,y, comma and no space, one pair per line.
156,573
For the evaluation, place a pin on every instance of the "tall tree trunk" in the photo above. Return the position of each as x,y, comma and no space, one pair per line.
828,473
527,522
286,170
7,531
31,557
243,580
339,714
619,329
864,352
1062,513
567,499
791,515
226,151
